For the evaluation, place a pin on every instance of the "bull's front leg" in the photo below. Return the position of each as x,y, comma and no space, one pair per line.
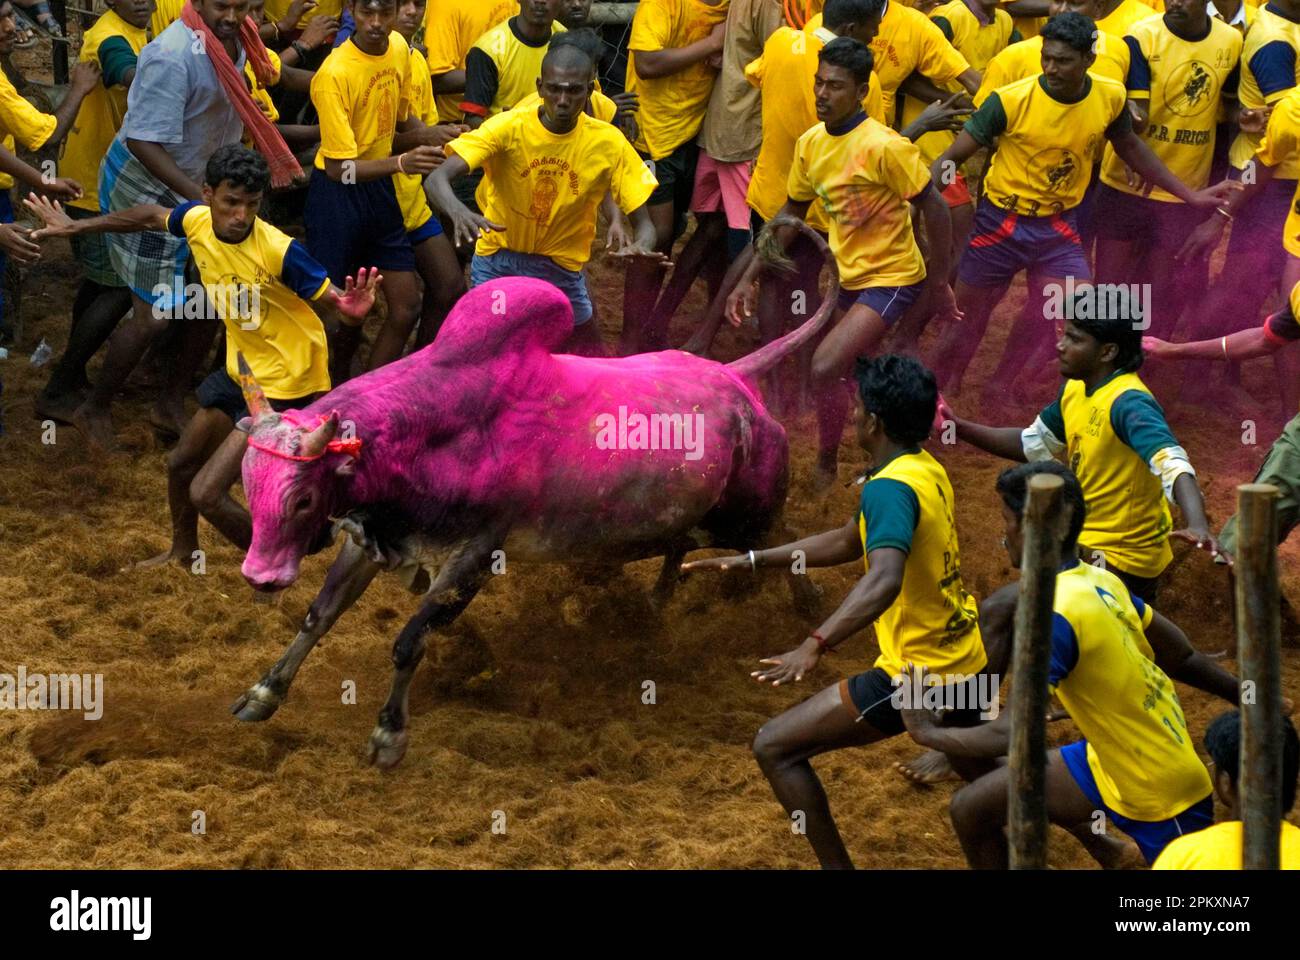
347,580
458,582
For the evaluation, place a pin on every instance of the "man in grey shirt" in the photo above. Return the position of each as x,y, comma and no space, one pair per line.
177,116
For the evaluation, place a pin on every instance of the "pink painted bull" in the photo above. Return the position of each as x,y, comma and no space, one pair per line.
486,441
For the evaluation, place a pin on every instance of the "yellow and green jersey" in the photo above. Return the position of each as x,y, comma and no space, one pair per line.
1102,670
1184,82
1045,147
907,504
1270,69
1119,445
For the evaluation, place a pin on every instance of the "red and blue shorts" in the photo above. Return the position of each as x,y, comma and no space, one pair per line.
1002,244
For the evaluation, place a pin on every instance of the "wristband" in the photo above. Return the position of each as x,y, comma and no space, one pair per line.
822,646
400,168
753,561
1223,343
1223,213
276,27
301,48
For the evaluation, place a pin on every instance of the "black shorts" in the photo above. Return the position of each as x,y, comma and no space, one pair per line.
871,697
355,225
1152,223
1144,588
219,392
676,176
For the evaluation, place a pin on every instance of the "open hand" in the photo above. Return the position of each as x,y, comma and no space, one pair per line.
358,294
789,667
16,242
740,304
740,562
57,223
1202,539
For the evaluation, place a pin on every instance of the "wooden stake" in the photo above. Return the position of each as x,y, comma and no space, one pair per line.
1045,522
1259,629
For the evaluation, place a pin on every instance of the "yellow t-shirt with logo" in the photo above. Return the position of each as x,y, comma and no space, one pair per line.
1121,19
450,29
1045,148
907,42
1271,41
1219,848
276,9
863,179
545,187
21,122
259,288
1281,144
1025,59
1183,81
360,99
1128,518
933,622
1101,668
978,43
672,107
518,64
788,111
100,115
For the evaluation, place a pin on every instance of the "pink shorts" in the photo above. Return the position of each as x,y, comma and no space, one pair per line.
722,186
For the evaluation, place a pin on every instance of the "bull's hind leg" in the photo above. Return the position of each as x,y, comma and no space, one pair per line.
347,580
457,583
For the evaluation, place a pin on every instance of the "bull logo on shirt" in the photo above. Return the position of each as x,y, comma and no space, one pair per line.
1190,89
1055,169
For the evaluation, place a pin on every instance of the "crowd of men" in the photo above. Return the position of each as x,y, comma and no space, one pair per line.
1099,147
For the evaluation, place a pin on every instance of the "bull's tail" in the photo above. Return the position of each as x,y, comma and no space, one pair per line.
767,248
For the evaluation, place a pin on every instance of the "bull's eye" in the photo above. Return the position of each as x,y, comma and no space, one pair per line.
303,504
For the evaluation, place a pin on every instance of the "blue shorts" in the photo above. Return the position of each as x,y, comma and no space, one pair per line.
508,263
219,392
890,302
427,231
1002,244
1150,836
355,225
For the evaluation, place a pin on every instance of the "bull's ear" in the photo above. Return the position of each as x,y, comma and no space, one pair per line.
245,425
346,468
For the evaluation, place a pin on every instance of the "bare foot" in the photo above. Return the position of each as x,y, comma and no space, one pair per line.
930,767
96,426
181,556
57,407
168,419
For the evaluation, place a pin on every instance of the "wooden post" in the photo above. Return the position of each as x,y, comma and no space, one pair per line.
1259,778
1045,522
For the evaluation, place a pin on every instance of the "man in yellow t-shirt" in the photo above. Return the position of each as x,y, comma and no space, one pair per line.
1117,16
450,29
547,169
114,43
1048,131
1220,847
435,257
1115,437
1136,762
362,94
905,532
258,282
674,51
1183,70
864,177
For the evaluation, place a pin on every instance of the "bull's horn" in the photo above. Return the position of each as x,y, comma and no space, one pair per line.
313,443
254,398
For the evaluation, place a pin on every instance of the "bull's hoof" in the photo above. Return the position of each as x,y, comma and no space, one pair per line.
256,704
387,747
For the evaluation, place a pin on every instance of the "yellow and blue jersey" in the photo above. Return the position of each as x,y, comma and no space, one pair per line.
1269,71
259,288
907,504
1139,750
1184,82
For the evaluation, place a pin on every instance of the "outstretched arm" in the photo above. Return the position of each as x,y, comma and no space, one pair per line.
1134,151
741,301
1175,655
59,224
467,225
827,549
